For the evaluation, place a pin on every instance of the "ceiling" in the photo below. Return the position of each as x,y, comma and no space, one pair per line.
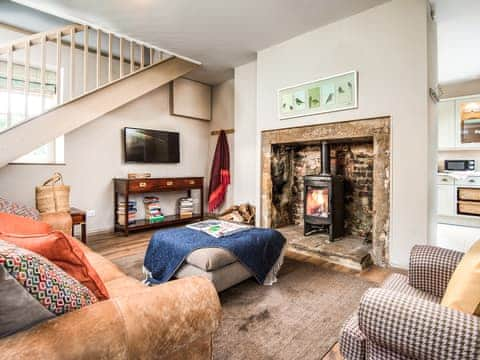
458,28
221,34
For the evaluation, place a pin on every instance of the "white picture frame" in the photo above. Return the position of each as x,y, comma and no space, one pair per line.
324,95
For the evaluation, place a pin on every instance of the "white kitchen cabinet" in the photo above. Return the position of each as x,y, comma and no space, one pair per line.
446,200
455,237
446,124
467,122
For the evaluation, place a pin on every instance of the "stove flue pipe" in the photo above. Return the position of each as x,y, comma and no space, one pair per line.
325,158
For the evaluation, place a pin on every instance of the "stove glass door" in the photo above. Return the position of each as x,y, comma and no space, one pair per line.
317,201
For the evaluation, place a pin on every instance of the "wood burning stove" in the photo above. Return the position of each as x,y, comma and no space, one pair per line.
323,201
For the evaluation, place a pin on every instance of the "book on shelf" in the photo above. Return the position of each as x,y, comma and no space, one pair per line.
153,210
121,221
185,207
154,219
124,211
186,215
126,208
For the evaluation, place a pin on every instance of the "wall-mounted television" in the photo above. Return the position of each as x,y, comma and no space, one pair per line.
151,146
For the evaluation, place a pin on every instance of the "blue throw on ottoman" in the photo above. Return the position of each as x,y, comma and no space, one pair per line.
256,248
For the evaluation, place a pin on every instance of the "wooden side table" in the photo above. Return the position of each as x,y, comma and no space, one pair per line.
79,217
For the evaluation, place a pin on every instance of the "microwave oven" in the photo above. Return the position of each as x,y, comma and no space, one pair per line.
459,165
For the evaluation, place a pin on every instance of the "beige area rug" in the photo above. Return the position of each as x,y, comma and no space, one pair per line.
297,318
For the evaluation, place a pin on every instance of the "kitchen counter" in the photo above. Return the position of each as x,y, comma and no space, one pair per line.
459,174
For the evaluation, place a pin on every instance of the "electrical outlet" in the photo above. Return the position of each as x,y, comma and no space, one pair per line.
90,213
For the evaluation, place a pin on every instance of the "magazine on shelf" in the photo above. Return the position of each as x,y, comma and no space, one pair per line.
218,228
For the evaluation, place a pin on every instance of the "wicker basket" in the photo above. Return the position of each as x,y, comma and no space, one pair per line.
53,195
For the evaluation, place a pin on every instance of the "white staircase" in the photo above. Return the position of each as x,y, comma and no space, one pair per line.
54,82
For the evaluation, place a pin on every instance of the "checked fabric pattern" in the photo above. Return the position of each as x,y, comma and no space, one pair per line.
48,284
352,340
416,328
431,268
399,283
10,207
377,352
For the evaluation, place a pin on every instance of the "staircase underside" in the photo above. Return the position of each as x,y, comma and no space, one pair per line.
35,132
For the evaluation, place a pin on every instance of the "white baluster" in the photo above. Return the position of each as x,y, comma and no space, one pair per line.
9,85
59,65
72,61
99,55
121,57
26,75
132,57
43,57
85,58
110,57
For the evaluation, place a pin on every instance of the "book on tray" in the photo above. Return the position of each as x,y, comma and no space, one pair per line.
218,228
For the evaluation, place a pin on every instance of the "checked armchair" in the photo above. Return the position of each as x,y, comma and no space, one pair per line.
403,319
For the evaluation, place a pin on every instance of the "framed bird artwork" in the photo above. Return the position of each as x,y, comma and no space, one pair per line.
332,93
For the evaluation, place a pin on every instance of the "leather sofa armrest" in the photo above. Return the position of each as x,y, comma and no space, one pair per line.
172,315
147,324
61,221
416,328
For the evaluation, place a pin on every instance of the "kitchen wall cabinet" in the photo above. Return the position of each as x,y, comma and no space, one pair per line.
459,123
467,122
446,124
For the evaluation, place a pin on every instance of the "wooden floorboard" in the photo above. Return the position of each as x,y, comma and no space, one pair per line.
115,246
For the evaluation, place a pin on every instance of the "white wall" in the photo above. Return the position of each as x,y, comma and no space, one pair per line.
387,45
223,118
94,156
432,129
94,153
244,182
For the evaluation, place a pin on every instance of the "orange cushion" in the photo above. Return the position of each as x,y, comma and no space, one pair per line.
14,224
64,252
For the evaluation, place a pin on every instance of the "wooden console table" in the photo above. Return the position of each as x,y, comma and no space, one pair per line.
126,187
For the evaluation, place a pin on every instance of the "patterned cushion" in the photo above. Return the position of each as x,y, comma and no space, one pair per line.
352,341
53,288
417,328
18,309
10,207
66,253
399,282
431,268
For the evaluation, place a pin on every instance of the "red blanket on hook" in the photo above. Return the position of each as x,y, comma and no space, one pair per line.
220,174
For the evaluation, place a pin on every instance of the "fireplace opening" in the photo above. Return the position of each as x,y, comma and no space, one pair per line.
324,188
360,153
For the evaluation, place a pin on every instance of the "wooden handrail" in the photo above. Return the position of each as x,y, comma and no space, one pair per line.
36,39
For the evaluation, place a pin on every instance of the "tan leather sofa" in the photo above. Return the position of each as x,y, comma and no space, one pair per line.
175,320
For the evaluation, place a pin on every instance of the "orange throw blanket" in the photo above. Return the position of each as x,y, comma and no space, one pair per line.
220,174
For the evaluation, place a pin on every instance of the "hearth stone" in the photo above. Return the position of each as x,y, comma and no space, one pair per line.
350,251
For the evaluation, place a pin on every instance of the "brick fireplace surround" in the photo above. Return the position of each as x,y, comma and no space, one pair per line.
377,131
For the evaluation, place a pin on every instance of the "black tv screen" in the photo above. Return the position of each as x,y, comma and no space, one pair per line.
151,146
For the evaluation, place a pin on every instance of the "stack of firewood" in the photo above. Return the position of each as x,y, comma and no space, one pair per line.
244,213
